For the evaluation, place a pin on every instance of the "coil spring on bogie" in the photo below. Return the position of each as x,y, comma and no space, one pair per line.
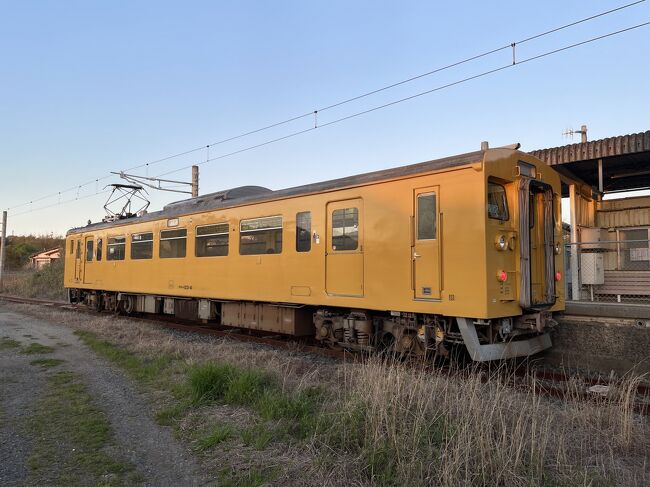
348,334
363,338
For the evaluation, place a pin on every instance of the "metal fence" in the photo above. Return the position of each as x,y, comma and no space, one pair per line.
608,271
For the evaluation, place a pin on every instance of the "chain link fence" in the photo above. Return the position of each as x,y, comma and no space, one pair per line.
608,271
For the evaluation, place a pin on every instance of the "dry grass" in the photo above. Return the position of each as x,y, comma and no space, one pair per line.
403,427
381,423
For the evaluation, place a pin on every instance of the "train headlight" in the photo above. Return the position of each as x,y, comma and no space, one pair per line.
501,242
557,248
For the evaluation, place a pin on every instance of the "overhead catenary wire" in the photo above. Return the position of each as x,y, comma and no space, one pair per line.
314,113
411,97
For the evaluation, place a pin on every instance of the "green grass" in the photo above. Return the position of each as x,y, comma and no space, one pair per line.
258,436
218,434
36,348
47,362
252,478
7,343
73,436
144,369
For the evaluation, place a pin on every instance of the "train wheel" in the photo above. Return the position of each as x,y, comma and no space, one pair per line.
126,306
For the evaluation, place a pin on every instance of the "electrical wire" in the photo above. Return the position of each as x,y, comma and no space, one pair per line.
335,105
417,95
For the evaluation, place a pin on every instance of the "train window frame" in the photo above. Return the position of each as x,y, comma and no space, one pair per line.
259,228
98,249
116,247
431,233
90,249
137,244
180,251
200,249
337,235
501,214
303,231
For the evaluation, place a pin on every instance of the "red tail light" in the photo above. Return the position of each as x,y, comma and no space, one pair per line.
502,276
558,276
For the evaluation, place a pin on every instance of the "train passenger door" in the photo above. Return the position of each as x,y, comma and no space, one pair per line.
344,248
78,262
87,273
425,248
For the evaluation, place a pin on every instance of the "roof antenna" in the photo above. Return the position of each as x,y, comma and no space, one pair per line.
570,133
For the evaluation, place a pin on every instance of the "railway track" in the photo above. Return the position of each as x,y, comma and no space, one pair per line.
561,385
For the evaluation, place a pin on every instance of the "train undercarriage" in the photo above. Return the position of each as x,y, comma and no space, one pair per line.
404,334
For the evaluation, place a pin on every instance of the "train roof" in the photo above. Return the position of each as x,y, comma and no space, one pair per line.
257,194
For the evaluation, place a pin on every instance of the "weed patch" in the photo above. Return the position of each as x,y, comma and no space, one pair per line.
7,343
47,362
144,369
73,437
258,436
36,348
218,434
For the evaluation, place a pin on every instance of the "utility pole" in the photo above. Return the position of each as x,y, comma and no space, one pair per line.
3,246
195,181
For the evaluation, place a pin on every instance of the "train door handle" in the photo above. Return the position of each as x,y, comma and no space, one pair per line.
416,255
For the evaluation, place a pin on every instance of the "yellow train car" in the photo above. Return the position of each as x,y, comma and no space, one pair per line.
461,250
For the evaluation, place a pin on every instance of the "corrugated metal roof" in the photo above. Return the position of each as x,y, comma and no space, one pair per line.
595,149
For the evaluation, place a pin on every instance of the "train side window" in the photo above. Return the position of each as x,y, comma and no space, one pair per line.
71,246
90,251
78,256
497,203
426,216
99,249
303,231
345,229
173,243
211,240
142,246
260,236
115,248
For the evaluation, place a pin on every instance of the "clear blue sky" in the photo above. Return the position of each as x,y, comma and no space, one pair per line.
90,87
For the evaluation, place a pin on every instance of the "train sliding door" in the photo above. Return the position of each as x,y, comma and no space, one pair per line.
78,262
344,248
425,249
537,224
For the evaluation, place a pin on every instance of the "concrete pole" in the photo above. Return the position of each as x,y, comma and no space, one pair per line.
583,133
195,181
3,247
575,276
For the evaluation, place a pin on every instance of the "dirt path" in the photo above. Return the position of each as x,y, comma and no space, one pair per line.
157,456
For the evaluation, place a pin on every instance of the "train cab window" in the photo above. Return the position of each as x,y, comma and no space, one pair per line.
345,229
303,231
78,256
142,246
90,251
497,202
71,246
115,248
260,236
426,216
173,243
99,249
211,240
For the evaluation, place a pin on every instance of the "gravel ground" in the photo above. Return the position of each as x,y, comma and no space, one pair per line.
157,456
